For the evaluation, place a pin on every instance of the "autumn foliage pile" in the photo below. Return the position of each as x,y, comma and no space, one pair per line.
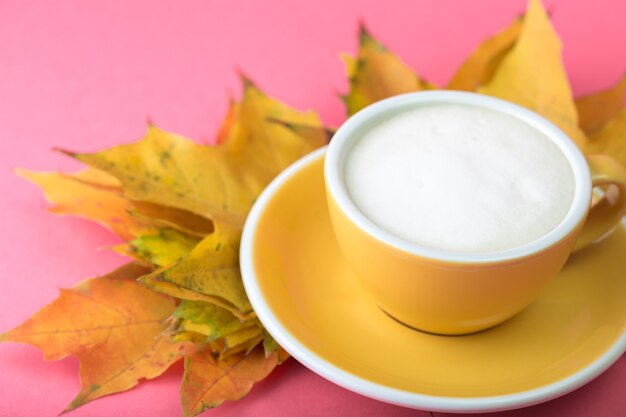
180,207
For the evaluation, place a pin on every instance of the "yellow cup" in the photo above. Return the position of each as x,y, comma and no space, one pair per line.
455,293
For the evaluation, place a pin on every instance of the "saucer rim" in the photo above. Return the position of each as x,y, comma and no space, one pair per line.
373,389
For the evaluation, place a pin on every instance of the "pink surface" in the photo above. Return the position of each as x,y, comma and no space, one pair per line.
85,76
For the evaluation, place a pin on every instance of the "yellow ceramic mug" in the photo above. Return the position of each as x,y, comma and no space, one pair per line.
458,293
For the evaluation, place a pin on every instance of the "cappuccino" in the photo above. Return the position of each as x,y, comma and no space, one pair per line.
459,178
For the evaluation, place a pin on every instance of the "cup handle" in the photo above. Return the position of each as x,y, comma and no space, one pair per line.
606,213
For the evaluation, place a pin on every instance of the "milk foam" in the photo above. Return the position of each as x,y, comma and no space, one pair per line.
459,178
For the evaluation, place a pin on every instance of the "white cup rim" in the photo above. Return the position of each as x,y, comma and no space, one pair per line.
352,129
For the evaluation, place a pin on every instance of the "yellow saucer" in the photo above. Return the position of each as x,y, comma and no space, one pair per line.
308,299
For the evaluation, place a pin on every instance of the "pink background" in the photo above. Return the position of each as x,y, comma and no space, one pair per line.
84,76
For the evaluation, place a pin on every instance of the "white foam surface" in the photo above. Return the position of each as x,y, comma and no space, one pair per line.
459,178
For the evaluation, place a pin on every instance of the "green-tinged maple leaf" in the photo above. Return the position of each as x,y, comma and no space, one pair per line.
224,333
159,247
269,343
209,273
209,320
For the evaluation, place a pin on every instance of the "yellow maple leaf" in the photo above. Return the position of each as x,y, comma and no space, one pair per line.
532,74
611,140
189,336
169,217
95,195
596,110
218,182
481,65
112,325
242,336
375,74
90,194
243,340
313,134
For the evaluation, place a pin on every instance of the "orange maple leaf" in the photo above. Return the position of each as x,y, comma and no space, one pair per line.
112,325
208,382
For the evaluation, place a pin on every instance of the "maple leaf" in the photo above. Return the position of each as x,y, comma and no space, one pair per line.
158,246
611,140
161,195
208,382
169,217
226,334
112,325
209,320
269,344
182,336
543,88
596,110
209,273
218,182
481,65
243,339
95,195
375,74
315,135
90,194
